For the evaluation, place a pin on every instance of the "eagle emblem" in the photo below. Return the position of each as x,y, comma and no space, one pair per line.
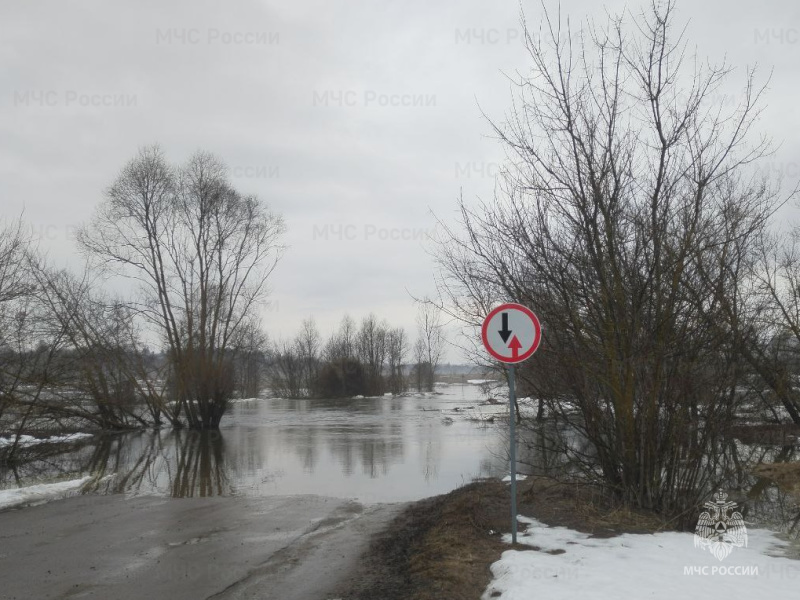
718,529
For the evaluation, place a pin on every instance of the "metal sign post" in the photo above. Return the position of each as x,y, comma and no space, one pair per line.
512,399
511,334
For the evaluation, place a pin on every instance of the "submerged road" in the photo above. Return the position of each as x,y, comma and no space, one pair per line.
296,547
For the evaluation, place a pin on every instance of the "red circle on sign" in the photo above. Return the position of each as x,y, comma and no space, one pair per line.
536,326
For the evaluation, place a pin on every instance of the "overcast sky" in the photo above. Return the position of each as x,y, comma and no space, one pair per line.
354,120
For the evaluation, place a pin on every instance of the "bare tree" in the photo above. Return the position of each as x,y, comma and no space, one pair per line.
371,350
309,344
286,371
250,362
342,344
201,254
421,366
70,355
430,341
342,374
21,360
396,350
103,377
624,189
15,281
766,320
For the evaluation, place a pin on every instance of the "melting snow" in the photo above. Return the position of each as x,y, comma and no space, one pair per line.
661,566
39,493
29,440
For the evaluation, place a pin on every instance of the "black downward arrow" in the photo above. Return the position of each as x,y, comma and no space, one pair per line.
505,332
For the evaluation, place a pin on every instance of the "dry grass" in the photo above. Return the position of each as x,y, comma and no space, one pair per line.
785,474
443,547
453,557
585,508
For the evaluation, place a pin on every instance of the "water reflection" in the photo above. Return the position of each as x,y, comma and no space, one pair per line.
373,449
200,469
767,502
730,466
180,464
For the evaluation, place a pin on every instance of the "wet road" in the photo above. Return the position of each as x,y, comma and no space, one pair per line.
280,503
298,547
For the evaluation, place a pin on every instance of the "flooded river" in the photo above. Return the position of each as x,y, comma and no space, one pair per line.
371,449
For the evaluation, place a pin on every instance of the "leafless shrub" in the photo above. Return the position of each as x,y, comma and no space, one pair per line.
622,218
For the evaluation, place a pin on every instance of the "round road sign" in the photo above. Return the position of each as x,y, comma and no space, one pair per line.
511,333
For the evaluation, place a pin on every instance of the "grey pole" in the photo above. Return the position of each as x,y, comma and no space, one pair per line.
511,417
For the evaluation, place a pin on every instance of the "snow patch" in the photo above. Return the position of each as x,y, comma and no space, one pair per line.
43,492
28,440
662,566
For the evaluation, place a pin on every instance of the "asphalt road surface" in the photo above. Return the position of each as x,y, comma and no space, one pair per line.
110,547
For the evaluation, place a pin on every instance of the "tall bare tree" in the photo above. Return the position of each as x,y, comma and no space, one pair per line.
342,374
250,363
309,344
286,371
396,350
371,350
342,344
430,342
201,254
20,359
625,193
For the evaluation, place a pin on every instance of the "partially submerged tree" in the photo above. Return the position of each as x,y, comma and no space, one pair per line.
308,345
69,356
371,351
341,374
250,361
102,376
396,350
22,359
285,371
621,216
201,254
430,344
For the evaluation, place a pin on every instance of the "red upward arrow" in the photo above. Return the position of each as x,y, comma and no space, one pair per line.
514,345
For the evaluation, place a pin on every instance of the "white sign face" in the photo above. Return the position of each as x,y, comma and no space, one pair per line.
511,333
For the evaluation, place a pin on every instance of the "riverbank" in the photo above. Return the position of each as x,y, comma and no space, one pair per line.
443,547
450,546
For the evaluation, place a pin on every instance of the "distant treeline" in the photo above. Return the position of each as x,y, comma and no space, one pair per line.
367,359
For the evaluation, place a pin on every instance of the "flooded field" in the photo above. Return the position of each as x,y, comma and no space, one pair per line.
371,449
